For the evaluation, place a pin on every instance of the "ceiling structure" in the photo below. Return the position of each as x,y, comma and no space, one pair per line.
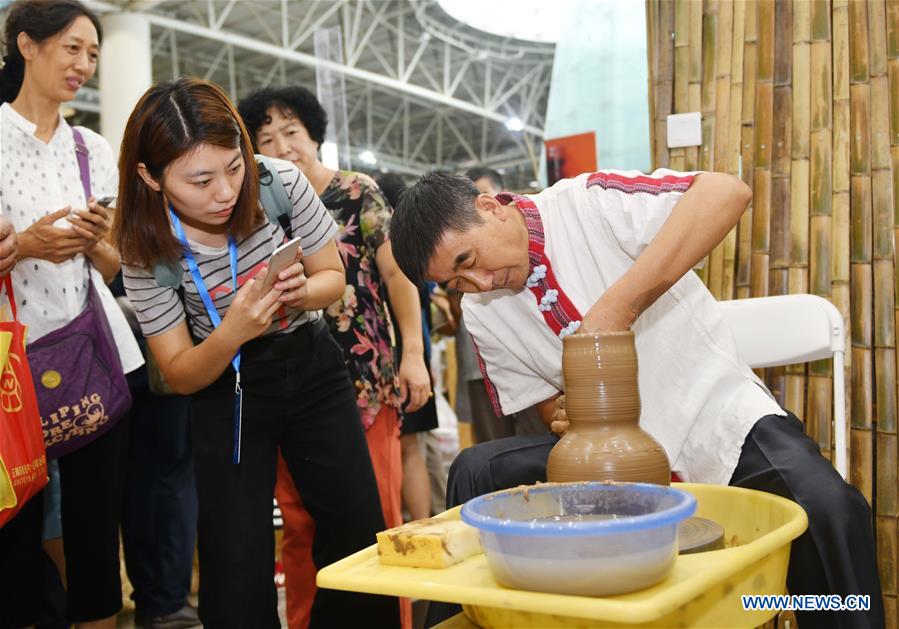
422,90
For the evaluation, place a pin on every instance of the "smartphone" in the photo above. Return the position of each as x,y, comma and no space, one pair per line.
108,201
281,258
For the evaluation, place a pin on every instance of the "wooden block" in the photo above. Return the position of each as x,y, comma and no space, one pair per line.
886,445
794,393
728,279
802,63
744,249
894,100
882,214
681,26
820,228
765,26
781,133
707,150
802,21
862,388
716,271
858,42
738,42
820,20
747,147
695,64
775,379
889,611
821,90
860,243
819,411
886,541
892,18
840,53
885,393
797,280
880,122
758,280
681,74
709,45
840,239
860,287
724,40
750,70
884,304
783,41
751,30
841,131
877,44
779,283
735,130
861,471
722,123
860,138
799,212
779,247
764,108
820,179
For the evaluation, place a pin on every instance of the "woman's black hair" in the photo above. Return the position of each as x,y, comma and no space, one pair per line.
295,101
40,20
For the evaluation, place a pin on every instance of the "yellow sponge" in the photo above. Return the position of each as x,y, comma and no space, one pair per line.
428,543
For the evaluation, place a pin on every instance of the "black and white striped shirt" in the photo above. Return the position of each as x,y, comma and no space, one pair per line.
159,308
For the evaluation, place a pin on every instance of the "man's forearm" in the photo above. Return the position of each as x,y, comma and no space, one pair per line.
700,220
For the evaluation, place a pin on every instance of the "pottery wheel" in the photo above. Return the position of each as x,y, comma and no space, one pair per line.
697,535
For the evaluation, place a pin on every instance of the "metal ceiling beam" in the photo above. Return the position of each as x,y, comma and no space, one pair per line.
247,43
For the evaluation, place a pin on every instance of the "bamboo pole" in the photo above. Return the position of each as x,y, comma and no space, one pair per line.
880,122
858,42
861,462
877,44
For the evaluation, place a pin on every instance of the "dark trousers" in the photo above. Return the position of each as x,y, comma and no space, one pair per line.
296,397
836,555
159,523
31,592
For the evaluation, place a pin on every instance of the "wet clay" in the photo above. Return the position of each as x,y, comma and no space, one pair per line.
602,400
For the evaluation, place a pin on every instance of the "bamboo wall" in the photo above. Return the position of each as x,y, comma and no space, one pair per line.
800,98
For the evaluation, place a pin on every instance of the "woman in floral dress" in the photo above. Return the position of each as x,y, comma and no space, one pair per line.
289,123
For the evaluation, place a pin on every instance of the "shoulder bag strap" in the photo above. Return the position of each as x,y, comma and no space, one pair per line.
81,154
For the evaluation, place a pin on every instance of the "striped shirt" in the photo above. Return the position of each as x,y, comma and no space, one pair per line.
159,308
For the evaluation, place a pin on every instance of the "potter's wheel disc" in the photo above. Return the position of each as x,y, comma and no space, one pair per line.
697,535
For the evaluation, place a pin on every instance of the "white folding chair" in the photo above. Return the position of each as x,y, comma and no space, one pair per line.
790,329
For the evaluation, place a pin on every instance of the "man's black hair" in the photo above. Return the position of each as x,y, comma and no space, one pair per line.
392,185
435,204
479,172
291,101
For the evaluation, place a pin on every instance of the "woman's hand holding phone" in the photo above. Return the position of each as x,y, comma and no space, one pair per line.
91,224
294,283
252,310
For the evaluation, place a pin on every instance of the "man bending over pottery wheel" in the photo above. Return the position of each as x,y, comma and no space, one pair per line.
612,251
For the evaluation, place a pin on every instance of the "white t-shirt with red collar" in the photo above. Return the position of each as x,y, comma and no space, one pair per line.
699,400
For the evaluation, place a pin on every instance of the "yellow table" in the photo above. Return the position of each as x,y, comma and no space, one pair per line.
703,589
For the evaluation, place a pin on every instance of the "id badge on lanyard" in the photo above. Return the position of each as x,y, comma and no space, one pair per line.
215,318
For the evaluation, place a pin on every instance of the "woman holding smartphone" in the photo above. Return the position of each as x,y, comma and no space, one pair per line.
51,51
261,365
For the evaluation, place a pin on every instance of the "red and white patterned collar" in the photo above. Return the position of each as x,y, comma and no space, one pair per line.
558,311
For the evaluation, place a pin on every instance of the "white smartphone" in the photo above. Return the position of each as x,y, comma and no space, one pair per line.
281,258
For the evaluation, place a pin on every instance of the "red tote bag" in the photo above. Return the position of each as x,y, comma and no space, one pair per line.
23,459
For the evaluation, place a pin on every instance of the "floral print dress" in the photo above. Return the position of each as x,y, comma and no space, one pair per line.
360,321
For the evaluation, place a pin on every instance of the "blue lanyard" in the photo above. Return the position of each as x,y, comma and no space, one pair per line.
215,318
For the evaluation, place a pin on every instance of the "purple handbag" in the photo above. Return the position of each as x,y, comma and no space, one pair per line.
81,387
